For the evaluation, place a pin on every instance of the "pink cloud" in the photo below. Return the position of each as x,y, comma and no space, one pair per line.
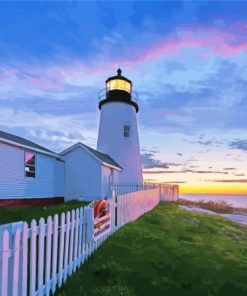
230,49
210,40
164,113
38,77
50,78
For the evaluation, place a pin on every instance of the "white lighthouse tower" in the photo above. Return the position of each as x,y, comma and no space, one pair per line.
118,131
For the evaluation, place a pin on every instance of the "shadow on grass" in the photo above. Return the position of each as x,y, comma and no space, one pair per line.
14,214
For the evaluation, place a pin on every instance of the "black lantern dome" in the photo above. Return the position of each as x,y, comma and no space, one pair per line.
118,89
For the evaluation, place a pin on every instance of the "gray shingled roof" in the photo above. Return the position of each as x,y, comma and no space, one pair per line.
102,156
22,141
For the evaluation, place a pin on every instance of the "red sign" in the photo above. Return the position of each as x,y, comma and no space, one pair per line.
101,218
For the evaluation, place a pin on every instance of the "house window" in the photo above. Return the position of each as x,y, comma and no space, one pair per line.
126,131
29,164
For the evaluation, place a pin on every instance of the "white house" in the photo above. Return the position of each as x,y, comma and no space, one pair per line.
33,175
29,173
88,172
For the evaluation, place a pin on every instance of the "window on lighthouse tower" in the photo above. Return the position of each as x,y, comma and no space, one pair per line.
126,131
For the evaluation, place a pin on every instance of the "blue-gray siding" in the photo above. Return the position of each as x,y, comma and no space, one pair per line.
49,181
82,175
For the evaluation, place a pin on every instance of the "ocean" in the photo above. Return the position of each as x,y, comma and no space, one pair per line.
235,200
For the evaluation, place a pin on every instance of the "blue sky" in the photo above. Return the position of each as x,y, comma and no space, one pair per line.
187,60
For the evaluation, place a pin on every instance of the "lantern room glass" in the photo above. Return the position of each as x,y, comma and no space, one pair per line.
118,84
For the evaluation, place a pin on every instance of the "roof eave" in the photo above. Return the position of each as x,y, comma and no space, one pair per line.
112,166
94,156
29,148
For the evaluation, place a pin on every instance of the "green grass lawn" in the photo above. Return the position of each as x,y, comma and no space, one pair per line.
168,251
14,214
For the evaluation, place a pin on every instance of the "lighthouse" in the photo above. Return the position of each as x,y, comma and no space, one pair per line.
118,130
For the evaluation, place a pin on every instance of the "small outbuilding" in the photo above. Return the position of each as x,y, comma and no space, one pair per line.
88,172
29,173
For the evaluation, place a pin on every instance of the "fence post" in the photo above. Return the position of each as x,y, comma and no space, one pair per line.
89,224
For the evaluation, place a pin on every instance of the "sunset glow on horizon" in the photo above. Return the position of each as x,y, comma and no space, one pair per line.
210,187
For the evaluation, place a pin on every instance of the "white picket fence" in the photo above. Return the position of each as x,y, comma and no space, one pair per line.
36,260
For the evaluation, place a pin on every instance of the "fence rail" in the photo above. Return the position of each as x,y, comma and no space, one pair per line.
36,260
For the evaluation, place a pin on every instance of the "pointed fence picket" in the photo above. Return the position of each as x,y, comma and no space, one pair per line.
24,263
33,250
76,240
71,242
61,251
84,225
35,261
80,221
41,255
54,253
48,257
66,247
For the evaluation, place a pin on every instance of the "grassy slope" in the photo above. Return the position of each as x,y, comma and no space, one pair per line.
8,215
167,252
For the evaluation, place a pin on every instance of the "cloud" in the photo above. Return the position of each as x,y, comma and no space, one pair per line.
183,171
212,142
47,80
187,103
206,143
152,150
228,181
149,161
229,169
174,182
54,132
174,164
158,172
239,144
207,40
206,172
192,159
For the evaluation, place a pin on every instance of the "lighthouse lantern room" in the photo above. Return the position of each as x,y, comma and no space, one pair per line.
118,130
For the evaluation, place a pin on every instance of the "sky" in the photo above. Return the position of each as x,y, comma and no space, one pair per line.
187,60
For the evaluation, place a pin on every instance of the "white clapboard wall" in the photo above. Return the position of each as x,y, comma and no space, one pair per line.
36,260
